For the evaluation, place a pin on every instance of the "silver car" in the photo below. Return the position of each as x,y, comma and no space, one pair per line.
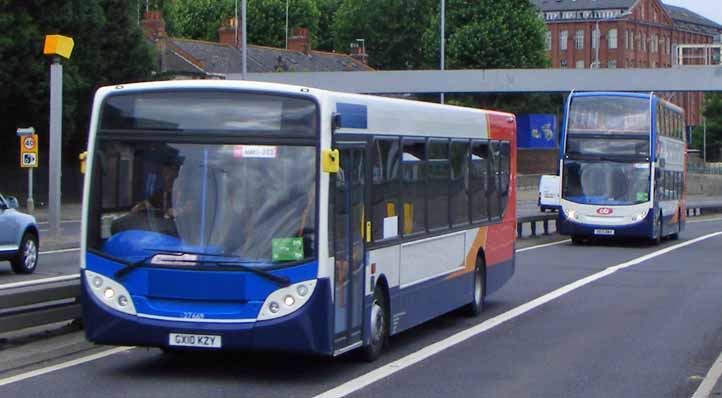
18,237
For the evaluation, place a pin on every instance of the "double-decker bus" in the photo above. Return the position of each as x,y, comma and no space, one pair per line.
623,167
245,215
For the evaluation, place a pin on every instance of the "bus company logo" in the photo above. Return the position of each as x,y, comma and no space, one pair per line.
604,211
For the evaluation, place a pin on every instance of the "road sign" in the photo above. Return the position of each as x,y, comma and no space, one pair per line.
29,150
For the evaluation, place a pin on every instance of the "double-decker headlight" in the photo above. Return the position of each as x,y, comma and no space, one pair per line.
571,214
109,292
640,216
286,300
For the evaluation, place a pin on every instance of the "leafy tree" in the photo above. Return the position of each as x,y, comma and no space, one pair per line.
712,112
488,34
392,30
108,49
266,25
326,35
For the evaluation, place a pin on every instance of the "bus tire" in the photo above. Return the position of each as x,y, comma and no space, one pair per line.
577,240
477,304
658,235
379,327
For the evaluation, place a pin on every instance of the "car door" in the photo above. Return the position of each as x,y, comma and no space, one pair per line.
7,233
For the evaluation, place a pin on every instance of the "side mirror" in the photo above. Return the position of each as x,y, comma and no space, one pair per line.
13,202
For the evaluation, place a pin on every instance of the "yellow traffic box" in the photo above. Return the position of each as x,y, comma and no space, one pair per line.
58,45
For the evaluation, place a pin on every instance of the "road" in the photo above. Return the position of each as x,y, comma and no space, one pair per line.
566,325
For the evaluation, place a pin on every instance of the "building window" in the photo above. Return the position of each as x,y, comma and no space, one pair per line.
579,40
580,64
626,39
595,37
612,39
644,41
548,41
563,39
655,43
612,64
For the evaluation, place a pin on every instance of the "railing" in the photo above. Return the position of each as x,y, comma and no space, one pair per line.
37,303
699,168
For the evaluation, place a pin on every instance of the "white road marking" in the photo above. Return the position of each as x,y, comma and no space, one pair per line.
74,249
428,351
64,365
62,222
705,388
707,220
544,245
39,281
387,370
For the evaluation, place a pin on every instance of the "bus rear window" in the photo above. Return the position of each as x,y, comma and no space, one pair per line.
210,111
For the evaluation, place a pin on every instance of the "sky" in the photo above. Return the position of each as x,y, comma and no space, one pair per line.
710,9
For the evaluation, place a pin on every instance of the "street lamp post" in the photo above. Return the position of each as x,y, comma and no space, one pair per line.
443,17
286,24
244,57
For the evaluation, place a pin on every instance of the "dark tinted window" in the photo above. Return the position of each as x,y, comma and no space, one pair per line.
438,184
209,111
494,180
479,181
385,190
414,180
504,173
459,188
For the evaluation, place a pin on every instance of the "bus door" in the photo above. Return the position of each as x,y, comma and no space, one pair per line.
349,186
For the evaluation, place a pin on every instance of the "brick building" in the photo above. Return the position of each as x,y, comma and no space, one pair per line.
632,34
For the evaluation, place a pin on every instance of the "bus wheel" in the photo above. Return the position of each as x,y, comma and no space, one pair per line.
379,327
477,305
658,236
577,240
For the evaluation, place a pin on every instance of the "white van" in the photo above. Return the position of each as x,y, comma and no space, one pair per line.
549,192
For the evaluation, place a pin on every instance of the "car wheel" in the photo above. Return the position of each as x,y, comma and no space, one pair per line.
27,258
577,240
379,327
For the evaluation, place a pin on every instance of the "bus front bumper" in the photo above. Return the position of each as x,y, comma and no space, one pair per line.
305,330
640,229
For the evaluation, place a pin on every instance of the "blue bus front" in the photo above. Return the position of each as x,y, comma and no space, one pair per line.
202,222
606,167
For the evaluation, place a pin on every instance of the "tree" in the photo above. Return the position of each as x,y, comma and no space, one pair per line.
488,34
266,25
326,35
392,30
712,112
108,49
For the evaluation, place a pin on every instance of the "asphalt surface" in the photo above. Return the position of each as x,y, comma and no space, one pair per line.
650,330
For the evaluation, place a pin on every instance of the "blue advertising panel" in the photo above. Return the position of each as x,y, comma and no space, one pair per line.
537,131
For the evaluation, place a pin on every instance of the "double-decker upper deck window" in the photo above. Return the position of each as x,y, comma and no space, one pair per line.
208,111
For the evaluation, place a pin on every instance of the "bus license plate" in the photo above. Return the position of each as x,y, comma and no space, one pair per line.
194,340
606,232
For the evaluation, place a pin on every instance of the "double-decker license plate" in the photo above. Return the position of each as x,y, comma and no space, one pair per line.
606,232
194,340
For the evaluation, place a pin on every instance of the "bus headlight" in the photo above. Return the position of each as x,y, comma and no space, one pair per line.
109,292
639,217
291,298
572,215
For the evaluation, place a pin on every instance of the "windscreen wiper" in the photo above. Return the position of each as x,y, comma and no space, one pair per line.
131,266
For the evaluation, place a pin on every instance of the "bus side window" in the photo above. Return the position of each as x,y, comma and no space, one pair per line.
479,181
413,170
385,190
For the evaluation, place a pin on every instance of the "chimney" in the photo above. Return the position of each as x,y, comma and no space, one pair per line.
227,33
153,25
358,51
300,41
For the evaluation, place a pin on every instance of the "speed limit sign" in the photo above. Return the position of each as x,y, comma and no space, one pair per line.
29,150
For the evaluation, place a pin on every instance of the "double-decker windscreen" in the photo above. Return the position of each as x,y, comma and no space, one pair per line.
201,195
606,159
